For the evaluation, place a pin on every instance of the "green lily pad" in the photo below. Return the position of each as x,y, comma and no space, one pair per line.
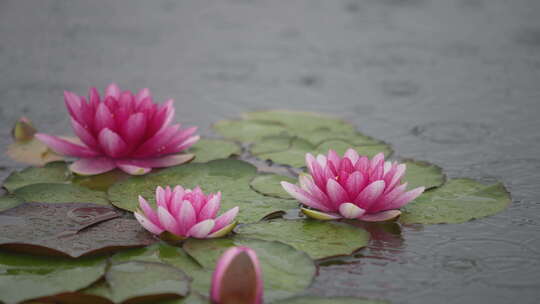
9,201
135,281
457,201
100,182
320,239
269,184
25,277
285,137
55,172
231,177
420,173
209,149
329,300
60,193
283,277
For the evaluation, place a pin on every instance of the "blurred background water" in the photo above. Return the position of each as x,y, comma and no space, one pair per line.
453,82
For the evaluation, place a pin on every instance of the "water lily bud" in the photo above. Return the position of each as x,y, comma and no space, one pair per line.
237,278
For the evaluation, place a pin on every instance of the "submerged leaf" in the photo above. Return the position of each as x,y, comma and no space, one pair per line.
229,176
457,201
24,277
70,229
320,239
100,182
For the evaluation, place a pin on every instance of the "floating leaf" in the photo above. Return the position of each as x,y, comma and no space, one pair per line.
320,239
285,137
135,281
229,176
269,184
421,173
25,277
209,149
55,172
60,193
32,152
70,229
286,271
329,300
457,201
9,201
100,182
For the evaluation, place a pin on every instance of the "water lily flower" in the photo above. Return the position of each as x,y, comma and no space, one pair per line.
121,130
237,278
352,187
185,213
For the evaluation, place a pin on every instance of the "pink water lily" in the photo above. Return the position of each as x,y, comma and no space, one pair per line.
237,278
352,187
186,213
121,130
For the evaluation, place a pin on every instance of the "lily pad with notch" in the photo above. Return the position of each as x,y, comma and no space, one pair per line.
320,239
60,193
70,229
457,201
54,172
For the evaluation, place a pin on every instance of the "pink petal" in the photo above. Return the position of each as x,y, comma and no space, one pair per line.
334,158
225,219
176,200
161,199
307,184
210,209
103,118
304,197
84,134
355,183
181,140
406,197
133,129
362,164
336,193
384,202
111,143
73,104
201,229
186,144
168,222
148,211
132,169
92,166
400,171
64,147
165,161
352,155
113,91
156,143
143,93
350,211
94,98
147,224
381,216
310,160
376,159
186,217
370,194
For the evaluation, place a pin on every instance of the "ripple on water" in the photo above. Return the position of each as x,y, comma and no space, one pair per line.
495,262
452,132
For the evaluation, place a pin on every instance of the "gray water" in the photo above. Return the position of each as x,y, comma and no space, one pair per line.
453,82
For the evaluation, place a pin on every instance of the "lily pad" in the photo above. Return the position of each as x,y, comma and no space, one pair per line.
207,149
420,173
25,277
269,184
135,281
9,201
60,193
55,172
70,229
283,277
457,201
320,239
231,177
285,137
100,182
329,300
